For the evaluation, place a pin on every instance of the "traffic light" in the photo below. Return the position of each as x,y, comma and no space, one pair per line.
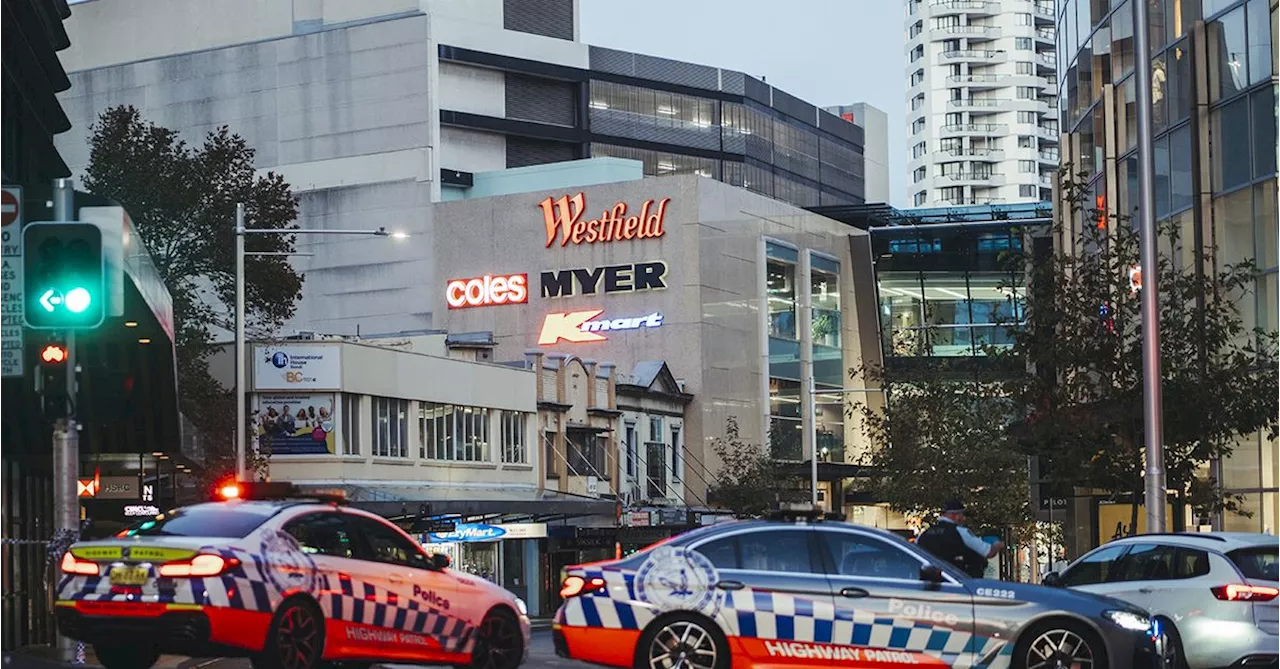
51,362
63,276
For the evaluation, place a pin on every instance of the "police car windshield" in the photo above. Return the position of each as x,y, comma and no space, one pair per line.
203,521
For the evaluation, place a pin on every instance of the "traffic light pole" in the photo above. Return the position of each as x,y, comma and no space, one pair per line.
242,469
66,433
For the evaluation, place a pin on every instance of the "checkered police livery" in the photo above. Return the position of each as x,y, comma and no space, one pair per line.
885,604
345,598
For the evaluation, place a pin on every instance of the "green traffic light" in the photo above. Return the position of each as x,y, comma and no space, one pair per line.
77,300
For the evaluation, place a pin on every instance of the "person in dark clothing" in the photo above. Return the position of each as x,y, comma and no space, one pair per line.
948,539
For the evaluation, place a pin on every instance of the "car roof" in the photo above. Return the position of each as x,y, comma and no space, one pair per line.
1221,541
710,531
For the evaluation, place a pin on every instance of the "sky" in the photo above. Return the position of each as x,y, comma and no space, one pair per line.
827,52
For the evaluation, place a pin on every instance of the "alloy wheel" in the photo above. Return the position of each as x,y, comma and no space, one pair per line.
1060,649
499,644
682,645
297,639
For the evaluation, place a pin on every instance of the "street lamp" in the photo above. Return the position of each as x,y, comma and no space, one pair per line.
241,232
813,428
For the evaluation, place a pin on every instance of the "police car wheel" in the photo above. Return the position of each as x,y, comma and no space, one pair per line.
499,643
295,639
125,657
682,641
1059,645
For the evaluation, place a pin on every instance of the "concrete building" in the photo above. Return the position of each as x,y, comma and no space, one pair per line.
875,150
372,109
981,81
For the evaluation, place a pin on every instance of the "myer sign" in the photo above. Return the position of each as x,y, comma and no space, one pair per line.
297,366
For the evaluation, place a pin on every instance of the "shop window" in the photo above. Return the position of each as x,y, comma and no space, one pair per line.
825,300
1229,126
350,424
512,434
390,427
781,286
1228,55
454,433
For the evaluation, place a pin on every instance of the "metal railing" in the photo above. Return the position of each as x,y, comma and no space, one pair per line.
984,128
976,78
977,102
975,54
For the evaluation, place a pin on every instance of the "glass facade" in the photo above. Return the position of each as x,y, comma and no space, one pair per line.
1230,156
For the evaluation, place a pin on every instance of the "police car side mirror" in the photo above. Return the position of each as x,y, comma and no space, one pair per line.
439,561
1052,579
930,574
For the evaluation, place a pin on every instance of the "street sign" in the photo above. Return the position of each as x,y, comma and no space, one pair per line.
1053,502
440,526
63,274
11,281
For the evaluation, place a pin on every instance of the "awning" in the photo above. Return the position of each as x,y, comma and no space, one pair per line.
453,499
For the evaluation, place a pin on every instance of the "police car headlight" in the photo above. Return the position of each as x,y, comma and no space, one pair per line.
1129,620
522,607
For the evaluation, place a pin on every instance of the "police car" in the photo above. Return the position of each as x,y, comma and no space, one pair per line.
291,583
807,593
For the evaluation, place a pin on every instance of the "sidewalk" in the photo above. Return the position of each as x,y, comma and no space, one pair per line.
43,658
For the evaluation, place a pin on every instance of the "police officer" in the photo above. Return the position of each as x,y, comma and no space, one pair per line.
950,540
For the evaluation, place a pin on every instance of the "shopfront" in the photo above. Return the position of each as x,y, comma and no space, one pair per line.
506,554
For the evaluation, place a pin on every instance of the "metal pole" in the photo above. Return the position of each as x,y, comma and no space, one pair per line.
241,464
66,434
812,430
809,417
1151,396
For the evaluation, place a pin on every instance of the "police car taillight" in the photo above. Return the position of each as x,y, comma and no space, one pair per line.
74,565
576,585
200,565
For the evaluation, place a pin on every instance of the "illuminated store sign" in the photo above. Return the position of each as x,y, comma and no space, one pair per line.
487,290
563,218
580,327
607,279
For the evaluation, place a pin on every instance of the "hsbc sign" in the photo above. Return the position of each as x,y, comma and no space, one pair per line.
580,327
487,290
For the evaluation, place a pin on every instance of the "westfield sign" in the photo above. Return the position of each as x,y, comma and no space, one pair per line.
580,327
563,218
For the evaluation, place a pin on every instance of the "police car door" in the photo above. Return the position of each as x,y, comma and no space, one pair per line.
415,601
885,612
773,600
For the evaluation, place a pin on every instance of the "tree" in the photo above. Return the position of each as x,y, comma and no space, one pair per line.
1082,347
182,200
749,482
941,436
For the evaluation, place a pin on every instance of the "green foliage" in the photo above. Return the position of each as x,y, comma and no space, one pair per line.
750,482
943,436
182,200
1082,346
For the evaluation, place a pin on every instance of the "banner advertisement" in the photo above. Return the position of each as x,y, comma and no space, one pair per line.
292,367
296,424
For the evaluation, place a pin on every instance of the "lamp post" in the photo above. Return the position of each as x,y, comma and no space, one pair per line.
241,231
813,428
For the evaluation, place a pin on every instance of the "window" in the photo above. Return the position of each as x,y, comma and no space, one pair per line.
1028,93
1027,166
511,430
954,118
1260,50
1026,67
651,107
1023,44
917,102
781,287
1263,104
655,460
1022,19
946,22
1229,58
1229,126
1028,191
1093,568
386,544
919,150
920,198
1028,117
450,432
350,424
676,463
779,551
1152,562
917,175
1026,142
917,77
630,446
209,521
723,553
390,427
858,555
917,126
323,534
917,53
1259,563
585,454
550,457
916,29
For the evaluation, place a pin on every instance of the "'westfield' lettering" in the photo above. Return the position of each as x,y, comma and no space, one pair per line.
580,327
617,279
563,218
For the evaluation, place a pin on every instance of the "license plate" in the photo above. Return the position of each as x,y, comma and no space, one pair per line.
128,575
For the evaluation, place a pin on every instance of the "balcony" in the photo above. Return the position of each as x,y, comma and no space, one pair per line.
1046,181
972,179
1049,133
978,104
980,155
971,7
979,81
982,129
1047,35
1049,60
1049,156
981,56
1043,11
974,33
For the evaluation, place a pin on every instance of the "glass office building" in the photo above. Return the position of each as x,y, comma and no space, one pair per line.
1214,74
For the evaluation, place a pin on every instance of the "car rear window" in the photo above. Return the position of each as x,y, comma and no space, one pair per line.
1259,563
218,522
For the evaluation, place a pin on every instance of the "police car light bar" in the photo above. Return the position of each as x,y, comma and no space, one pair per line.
277,490
800,511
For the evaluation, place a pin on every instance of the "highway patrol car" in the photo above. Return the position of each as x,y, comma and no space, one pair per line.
803,594
290,583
